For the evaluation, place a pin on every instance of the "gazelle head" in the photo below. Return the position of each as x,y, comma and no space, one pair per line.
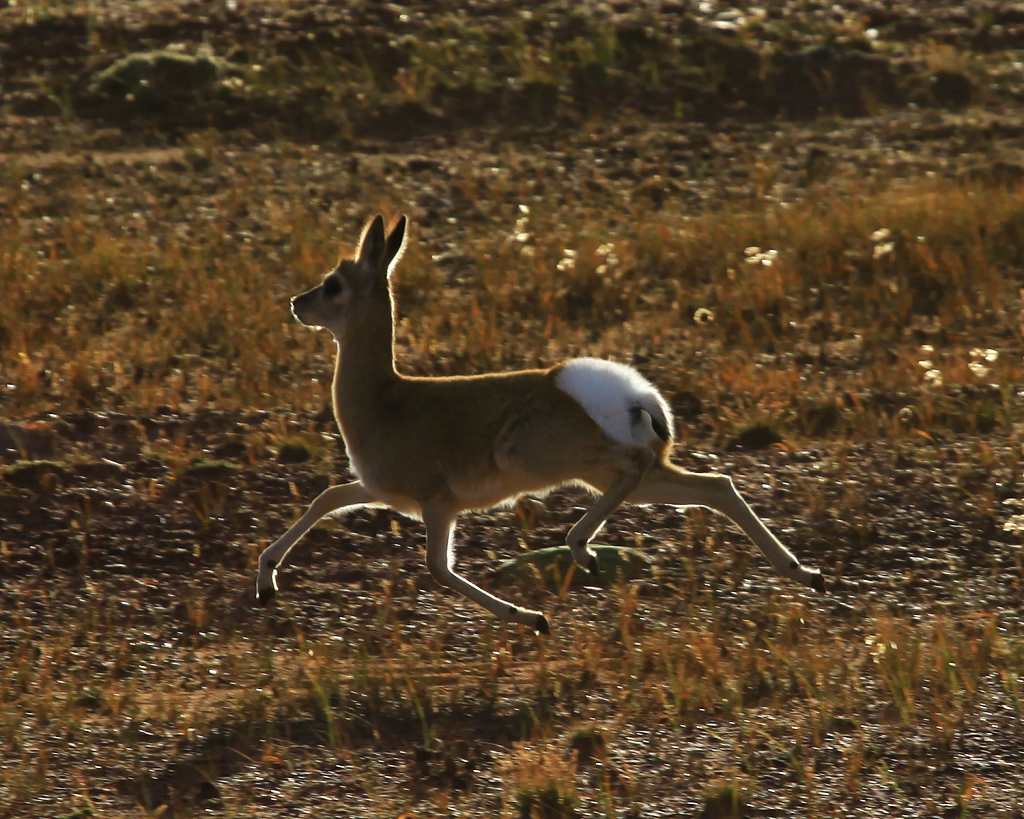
354,283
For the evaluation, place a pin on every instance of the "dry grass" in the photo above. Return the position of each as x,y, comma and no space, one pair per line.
854,355
793,680
128,318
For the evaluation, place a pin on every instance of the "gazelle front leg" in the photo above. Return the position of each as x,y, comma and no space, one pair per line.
667,484
440,522
345,496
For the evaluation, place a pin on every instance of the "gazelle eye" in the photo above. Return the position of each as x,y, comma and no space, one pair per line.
332,286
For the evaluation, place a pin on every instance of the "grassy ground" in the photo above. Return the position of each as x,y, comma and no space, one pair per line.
823,275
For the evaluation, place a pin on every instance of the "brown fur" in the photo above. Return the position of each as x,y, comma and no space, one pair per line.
472,442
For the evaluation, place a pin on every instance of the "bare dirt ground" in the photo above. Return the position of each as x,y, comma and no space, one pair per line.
162,419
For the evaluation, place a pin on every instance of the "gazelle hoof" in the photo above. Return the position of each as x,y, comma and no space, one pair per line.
264,596
541,626
817,582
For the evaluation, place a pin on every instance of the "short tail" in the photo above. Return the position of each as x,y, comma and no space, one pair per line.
649,423
624,404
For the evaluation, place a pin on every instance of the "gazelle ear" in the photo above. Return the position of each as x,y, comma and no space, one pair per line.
395,244
371,244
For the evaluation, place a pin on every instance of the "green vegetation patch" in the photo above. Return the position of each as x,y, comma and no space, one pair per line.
39,476
555,562
152,77
209,470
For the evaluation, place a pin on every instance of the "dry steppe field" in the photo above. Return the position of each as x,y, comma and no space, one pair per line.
803,220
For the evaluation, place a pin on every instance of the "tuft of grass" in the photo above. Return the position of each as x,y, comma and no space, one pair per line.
932,676
588,742
542,784
727,798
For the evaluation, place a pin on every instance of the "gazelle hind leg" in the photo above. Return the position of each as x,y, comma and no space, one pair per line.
440,522
345,496
636,465
670,485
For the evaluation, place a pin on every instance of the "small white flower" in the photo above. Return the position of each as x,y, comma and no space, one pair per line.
524,209
883,249
881,235
933,377
978,370
755,255
702,315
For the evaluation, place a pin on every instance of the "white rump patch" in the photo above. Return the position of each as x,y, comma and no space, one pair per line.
611,393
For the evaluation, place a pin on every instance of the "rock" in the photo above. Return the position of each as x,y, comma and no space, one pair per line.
101,470
821,418
995,172
686,404
81,426
655,189
830,77
423,164
399,119
759,436
952,89
39,476
293,454
201,471
29,441
231,449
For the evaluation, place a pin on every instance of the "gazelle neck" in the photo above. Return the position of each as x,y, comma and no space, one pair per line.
366,357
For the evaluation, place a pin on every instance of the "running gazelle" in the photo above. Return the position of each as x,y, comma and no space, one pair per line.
432,448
